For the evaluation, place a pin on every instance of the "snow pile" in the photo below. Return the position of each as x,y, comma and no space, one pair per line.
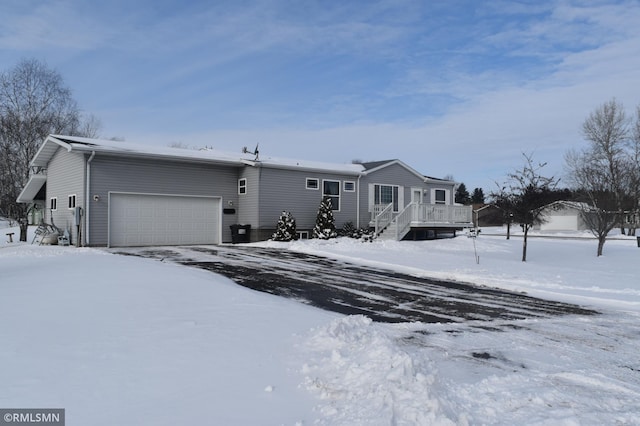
364,377
132,341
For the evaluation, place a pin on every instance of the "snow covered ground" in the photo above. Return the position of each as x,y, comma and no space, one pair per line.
131,341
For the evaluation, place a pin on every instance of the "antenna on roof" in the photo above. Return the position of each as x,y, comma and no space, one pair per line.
255,152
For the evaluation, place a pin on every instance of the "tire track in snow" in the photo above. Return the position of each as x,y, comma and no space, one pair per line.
350,289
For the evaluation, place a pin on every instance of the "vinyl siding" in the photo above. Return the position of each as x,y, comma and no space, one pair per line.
65,176
285,190
394,174
430,197
248,204
157,177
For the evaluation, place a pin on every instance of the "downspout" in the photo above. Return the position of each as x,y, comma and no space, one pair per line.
87,199
358,203
258,222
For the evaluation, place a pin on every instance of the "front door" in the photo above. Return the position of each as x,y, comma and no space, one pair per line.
416,195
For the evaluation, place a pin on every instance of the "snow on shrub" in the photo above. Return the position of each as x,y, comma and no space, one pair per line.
286,228
325,227
350,230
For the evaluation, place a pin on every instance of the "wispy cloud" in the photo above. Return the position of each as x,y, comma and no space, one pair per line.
459,87
55,24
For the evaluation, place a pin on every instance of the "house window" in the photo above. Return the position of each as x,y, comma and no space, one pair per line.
440,196
331,190
386,194
53,203
242,186
303,235
313,183
349,186
72,201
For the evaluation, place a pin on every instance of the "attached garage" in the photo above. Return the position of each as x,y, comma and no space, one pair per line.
156,219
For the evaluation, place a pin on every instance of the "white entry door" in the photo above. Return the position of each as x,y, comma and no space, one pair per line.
416,195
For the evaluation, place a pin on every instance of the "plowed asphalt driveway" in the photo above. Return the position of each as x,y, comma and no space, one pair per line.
346,288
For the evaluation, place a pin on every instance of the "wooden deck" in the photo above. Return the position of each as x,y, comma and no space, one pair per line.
419,216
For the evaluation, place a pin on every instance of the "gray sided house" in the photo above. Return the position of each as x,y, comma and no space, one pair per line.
108,193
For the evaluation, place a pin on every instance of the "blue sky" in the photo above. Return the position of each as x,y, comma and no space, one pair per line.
458,88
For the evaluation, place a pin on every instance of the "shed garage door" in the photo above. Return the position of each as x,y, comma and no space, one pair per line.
152,220
560,223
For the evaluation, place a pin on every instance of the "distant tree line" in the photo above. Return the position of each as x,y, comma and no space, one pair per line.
462,195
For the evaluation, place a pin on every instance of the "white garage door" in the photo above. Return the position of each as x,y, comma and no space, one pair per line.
153,220
560,223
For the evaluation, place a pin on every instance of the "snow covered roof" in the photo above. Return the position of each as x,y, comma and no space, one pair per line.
32,188
73,143
78,144
285,163
576,205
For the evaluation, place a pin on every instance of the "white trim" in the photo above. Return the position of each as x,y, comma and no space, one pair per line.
317,188
329,195
415,189
241,186
399,201
400,163
353,187
447,196
75,201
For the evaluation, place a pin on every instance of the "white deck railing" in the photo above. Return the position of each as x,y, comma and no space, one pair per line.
440,213
382,215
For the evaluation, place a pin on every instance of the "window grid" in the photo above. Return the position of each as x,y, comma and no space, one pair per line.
331,190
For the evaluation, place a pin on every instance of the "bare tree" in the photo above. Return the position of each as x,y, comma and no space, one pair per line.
600,204
607,131
34,102
524,195
633,182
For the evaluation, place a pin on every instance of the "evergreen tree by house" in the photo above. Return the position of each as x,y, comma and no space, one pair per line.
286,228
462,195
325,227
478,196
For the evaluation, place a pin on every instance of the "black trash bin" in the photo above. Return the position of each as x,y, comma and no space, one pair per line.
638,239
240,234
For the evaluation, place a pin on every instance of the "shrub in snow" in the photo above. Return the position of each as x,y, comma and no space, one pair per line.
286,228
350,230
325,227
